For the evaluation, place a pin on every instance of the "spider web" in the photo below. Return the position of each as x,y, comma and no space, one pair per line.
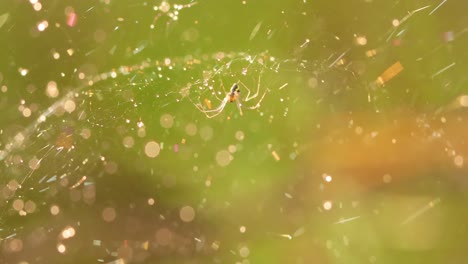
69,149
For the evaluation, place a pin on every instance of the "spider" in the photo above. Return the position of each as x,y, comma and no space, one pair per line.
234,96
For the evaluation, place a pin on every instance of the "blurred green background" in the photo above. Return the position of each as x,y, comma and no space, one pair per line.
355,153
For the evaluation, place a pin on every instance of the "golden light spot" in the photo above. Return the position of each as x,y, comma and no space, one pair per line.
13,185
387,178
18,204
68,232
458,160
151,201
242,229
61,248
19,138
54,210
327,178
109,214
26,112
111,167
327,205
34,163
56,55
239,135
191,129
206,133
208,182
223,158
244,252
128,142
463,100
187,214
85,133
141,132
312,82
358,130
41,26
163,236
361,40
23,71
37,7
166,121
371,53
152,149
52,90
232,148
69,106
89,193
15,245
41,118
30,207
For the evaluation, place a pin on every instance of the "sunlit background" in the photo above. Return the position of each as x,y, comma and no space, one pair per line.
121,140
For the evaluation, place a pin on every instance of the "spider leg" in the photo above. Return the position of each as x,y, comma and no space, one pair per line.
217,109
208,102
257,105
223,88
213,112
239,105
248,90
258,88
249,97
213,115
